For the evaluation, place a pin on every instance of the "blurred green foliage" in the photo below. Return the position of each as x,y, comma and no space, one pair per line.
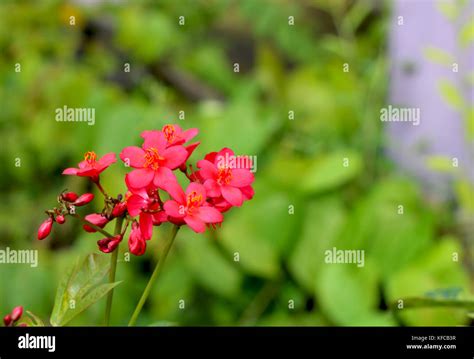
306,201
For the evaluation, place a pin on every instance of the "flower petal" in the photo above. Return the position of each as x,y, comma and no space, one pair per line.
212,188
241,178
207,169
174,156
198,188
146,225
174,209
175,191
135,204
107,159
70,171
162,176
195,223
208,214
154,139
134,156
140,178
232,195
189,134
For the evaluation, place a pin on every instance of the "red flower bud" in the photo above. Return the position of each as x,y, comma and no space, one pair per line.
22,325
60,219
7,320
97,219
17,312
69,196
108,245
45,228
119,209
136,242
84,199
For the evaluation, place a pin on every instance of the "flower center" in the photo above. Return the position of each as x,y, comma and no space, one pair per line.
169,133
224,175
90,157
152,159
194,200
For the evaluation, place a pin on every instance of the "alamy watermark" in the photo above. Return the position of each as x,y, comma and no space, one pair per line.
22,256
76,114
400,114
345,256
235,162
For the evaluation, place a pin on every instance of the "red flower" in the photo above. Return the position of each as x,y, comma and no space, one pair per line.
146,204
108,245
91,167
221,178
95,218
191,207
176,136
153,162
45,228
136,242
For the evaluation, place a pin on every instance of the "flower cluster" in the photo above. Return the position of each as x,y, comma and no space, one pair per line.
154,195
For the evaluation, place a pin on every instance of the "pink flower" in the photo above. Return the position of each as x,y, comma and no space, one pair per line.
108,245
95,218
69,196
91,167
136,242
191,207
221,178
153,162
45,228
146,204
176,136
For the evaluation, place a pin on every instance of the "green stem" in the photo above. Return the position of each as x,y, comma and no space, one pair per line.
113,269
98,229
154,276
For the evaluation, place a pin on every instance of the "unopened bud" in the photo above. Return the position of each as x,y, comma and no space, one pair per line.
45,228
17,312
69,196
60,219
84,199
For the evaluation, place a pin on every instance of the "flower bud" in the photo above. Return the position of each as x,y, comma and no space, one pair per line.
119,209
108,245
45,228
17,312
7,320
60,219
84,199
69,196
136,242
97,219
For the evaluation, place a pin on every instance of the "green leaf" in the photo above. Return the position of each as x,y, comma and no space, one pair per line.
392,236
330,171
451,94
209,267
349,294
260,233
466,35
422,302
438,56
435,269
441,164
322,224
81,288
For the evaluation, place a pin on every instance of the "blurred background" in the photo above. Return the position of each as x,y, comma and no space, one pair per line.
313,76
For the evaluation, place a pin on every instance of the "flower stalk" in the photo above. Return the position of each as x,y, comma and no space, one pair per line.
154,276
